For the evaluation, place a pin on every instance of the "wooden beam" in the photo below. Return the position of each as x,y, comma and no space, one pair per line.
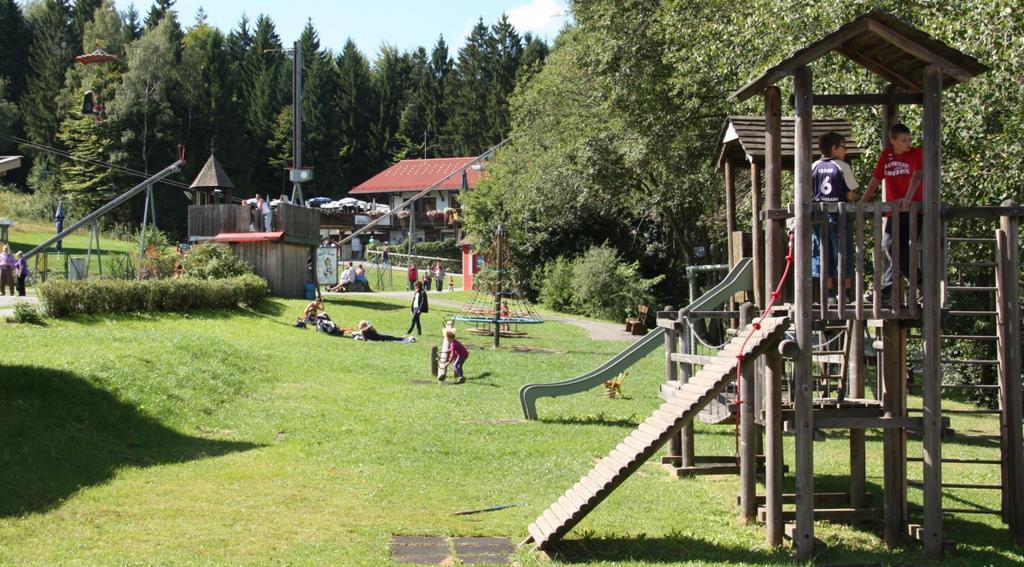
775,252
877,68
931,375
804,57
730,211
1008,330
894,441
866,99
858,454
748,429
921,52
757,234
803,380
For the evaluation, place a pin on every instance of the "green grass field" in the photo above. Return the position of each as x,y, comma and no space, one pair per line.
235,438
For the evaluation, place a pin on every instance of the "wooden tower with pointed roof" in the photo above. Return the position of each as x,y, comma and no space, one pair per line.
212,185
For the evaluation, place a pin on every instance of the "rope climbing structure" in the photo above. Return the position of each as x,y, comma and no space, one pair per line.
499,305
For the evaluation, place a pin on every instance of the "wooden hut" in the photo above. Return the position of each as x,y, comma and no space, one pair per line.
212,185
281,255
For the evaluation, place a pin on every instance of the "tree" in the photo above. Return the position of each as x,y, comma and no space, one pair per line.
49,58
265,85
15,39
391,80
132,24
356,106
207,100
142,111
320,118
469,86
82,12
157,11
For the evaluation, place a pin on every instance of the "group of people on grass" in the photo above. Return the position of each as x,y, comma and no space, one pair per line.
832,181
352,276
435,273
13,271
455,353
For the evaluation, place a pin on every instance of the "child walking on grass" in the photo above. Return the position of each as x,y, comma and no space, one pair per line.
457,354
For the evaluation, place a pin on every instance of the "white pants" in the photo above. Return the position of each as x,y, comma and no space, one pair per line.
266,221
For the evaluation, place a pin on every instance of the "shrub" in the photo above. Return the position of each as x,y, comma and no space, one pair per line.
25,312
601,285
212,261
556,286
65,298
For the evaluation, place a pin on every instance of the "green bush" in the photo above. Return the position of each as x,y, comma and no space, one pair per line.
556,286
597,284
213,261
65,298
26,313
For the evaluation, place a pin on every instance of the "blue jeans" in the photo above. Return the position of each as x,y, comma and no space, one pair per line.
836,242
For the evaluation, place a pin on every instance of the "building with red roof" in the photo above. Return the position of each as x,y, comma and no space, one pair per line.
434,216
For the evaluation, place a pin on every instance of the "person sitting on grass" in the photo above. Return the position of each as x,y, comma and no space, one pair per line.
367,332
312,310
457,354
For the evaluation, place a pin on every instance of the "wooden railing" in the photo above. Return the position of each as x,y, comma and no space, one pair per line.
863,226
300,224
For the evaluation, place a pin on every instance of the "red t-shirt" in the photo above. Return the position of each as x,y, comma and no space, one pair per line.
897,170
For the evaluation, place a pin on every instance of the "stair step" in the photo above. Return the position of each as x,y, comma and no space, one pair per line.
960,461
969,288
642,443
971,239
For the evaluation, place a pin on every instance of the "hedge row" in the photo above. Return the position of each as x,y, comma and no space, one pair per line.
63,298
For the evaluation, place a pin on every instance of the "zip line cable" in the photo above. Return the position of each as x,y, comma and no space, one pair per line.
68,155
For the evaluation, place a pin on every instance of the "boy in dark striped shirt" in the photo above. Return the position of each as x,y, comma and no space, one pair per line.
832,181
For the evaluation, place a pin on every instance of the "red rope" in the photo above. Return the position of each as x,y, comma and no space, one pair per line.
757,326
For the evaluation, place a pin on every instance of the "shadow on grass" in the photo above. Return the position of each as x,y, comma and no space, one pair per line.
599,419
362,304
62,434
667,549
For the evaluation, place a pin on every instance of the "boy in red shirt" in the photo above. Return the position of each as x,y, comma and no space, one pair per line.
900,167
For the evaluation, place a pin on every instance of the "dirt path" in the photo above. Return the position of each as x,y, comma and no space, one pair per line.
598,330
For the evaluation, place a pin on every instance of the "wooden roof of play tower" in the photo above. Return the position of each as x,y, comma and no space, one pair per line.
882,44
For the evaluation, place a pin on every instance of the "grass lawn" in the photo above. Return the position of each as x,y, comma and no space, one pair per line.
235,438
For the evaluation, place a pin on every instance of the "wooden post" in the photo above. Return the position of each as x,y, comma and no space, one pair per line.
775,253
748,429
931,400
730,211
757,235
803,535
1008,327
894,440
672,375
858,456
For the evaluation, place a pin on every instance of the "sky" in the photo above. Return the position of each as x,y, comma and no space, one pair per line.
404,24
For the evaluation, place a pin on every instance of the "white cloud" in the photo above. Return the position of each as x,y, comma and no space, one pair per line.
541,17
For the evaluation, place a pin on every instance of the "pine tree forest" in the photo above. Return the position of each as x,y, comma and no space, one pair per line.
178,82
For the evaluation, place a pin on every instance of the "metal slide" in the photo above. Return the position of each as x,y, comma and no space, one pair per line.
119,200
653,433
739,279
529,393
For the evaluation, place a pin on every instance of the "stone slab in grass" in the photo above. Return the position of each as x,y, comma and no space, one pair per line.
435,550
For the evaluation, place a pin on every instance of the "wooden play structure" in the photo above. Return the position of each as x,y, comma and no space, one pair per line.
805,384
281,256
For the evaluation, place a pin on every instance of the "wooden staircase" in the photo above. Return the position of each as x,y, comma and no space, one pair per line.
643,443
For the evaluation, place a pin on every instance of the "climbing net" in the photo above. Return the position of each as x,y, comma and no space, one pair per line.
498,302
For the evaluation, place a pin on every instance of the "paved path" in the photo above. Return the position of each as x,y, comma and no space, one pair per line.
599,330
7,303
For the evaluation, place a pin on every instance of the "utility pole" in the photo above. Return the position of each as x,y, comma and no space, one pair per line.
298,175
